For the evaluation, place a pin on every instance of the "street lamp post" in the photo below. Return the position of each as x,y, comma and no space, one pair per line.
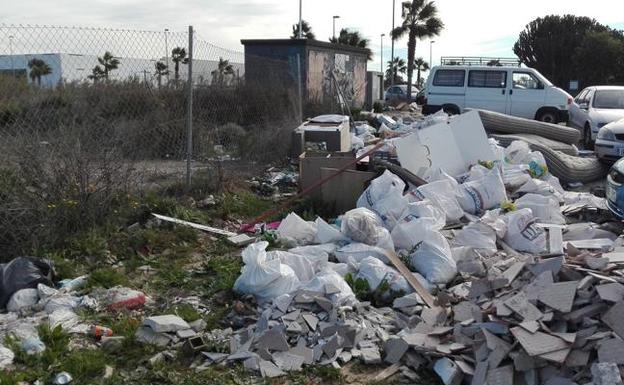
392,40
11,37
431,53
334,20
300,19
167,54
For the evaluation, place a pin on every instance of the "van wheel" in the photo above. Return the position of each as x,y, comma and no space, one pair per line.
451,110
548,116
588,144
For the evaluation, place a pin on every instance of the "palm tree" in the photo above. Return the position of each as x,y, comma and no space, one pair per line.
97,74
109,62
38,68
395,67
352,38
223,70
161,70
420,20
306,31
178,55
421,65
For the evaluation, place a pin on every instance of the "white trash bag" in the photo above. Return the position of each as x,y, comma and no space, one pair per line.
517,152
364,226
264,278
545,208
301,265
359,251
522,233
22,299
476,235
375,272
411,231
326,233
483,194
442,193
433,259
385,197
293,230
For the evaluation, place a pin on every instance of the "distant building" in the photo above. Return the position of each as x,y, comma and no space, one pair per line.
273,60
67,68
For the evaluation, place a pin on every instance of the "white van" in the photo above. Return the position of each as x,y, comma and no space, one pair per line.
516,91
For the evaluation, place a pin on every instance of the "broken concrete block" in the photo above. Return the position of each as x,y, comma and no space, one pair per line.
166,323
345,357
198,325
448,371
606,373
252,364
596,263
394,349
370,356
147,335
186,333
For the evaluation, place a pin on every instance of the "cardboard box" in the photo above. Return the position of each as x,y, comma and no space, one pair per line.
343,191
310,164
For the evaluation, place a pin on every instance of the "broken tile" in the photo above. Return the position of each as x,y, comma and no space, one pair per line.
273,339
611,350
394,349
611,292
480,375
538,343
287,362
613,318
521,305
552,264
530,326
448,371
370,356
500,376
559,296
269,370
512,272
311,320
577,358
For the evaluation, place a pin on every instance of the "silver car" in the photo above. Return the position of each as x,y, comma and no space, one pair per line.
609,145
594,108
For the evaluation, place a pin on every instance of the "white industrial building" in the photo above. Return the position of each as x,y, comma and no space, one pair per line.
67,68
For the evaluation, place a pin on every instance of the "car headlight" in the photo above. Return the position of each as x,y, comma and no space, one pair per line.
600,125
606,134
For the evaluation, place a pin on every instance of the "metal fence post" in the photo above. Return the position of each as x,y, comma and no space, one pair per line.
189,113
299,88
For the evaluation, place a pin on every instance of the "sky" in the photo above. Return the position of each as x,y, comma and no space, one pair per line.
472,28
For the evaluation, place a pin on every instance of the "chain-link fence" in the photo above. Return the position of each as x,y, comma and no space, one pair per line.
88,116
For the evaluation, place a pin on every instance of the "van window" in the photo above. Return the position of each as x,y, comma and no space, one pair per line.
526,81
487,79
449,78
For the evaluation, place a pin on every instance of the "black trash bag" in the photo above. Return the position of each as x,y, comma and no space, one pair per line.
23,273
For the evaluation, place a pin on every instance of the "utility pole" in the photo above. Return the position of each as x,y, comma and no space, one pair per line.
300,19
189,113
382,62
393,75
167,54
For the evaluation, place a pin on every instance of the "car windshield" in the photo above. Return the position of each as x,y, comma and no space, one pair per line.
543,79
609,99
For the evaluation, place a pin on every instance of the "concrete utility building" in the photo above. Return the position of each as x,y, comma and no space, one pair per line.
67,68
273,60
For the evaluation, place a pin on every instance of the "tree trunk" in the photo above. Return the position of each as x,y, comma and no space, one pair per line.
418,76
159,80
39,81
411,52
177,72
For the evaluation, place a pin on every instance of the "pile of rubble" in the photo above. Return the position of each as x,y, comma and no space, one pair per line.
525,291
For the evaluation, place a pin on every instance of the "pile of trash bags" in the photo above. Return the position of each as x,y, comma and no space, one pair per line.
433,228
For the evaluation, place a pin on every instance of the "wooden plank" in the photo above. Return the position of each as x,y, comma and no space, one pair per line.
407,274
387,372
